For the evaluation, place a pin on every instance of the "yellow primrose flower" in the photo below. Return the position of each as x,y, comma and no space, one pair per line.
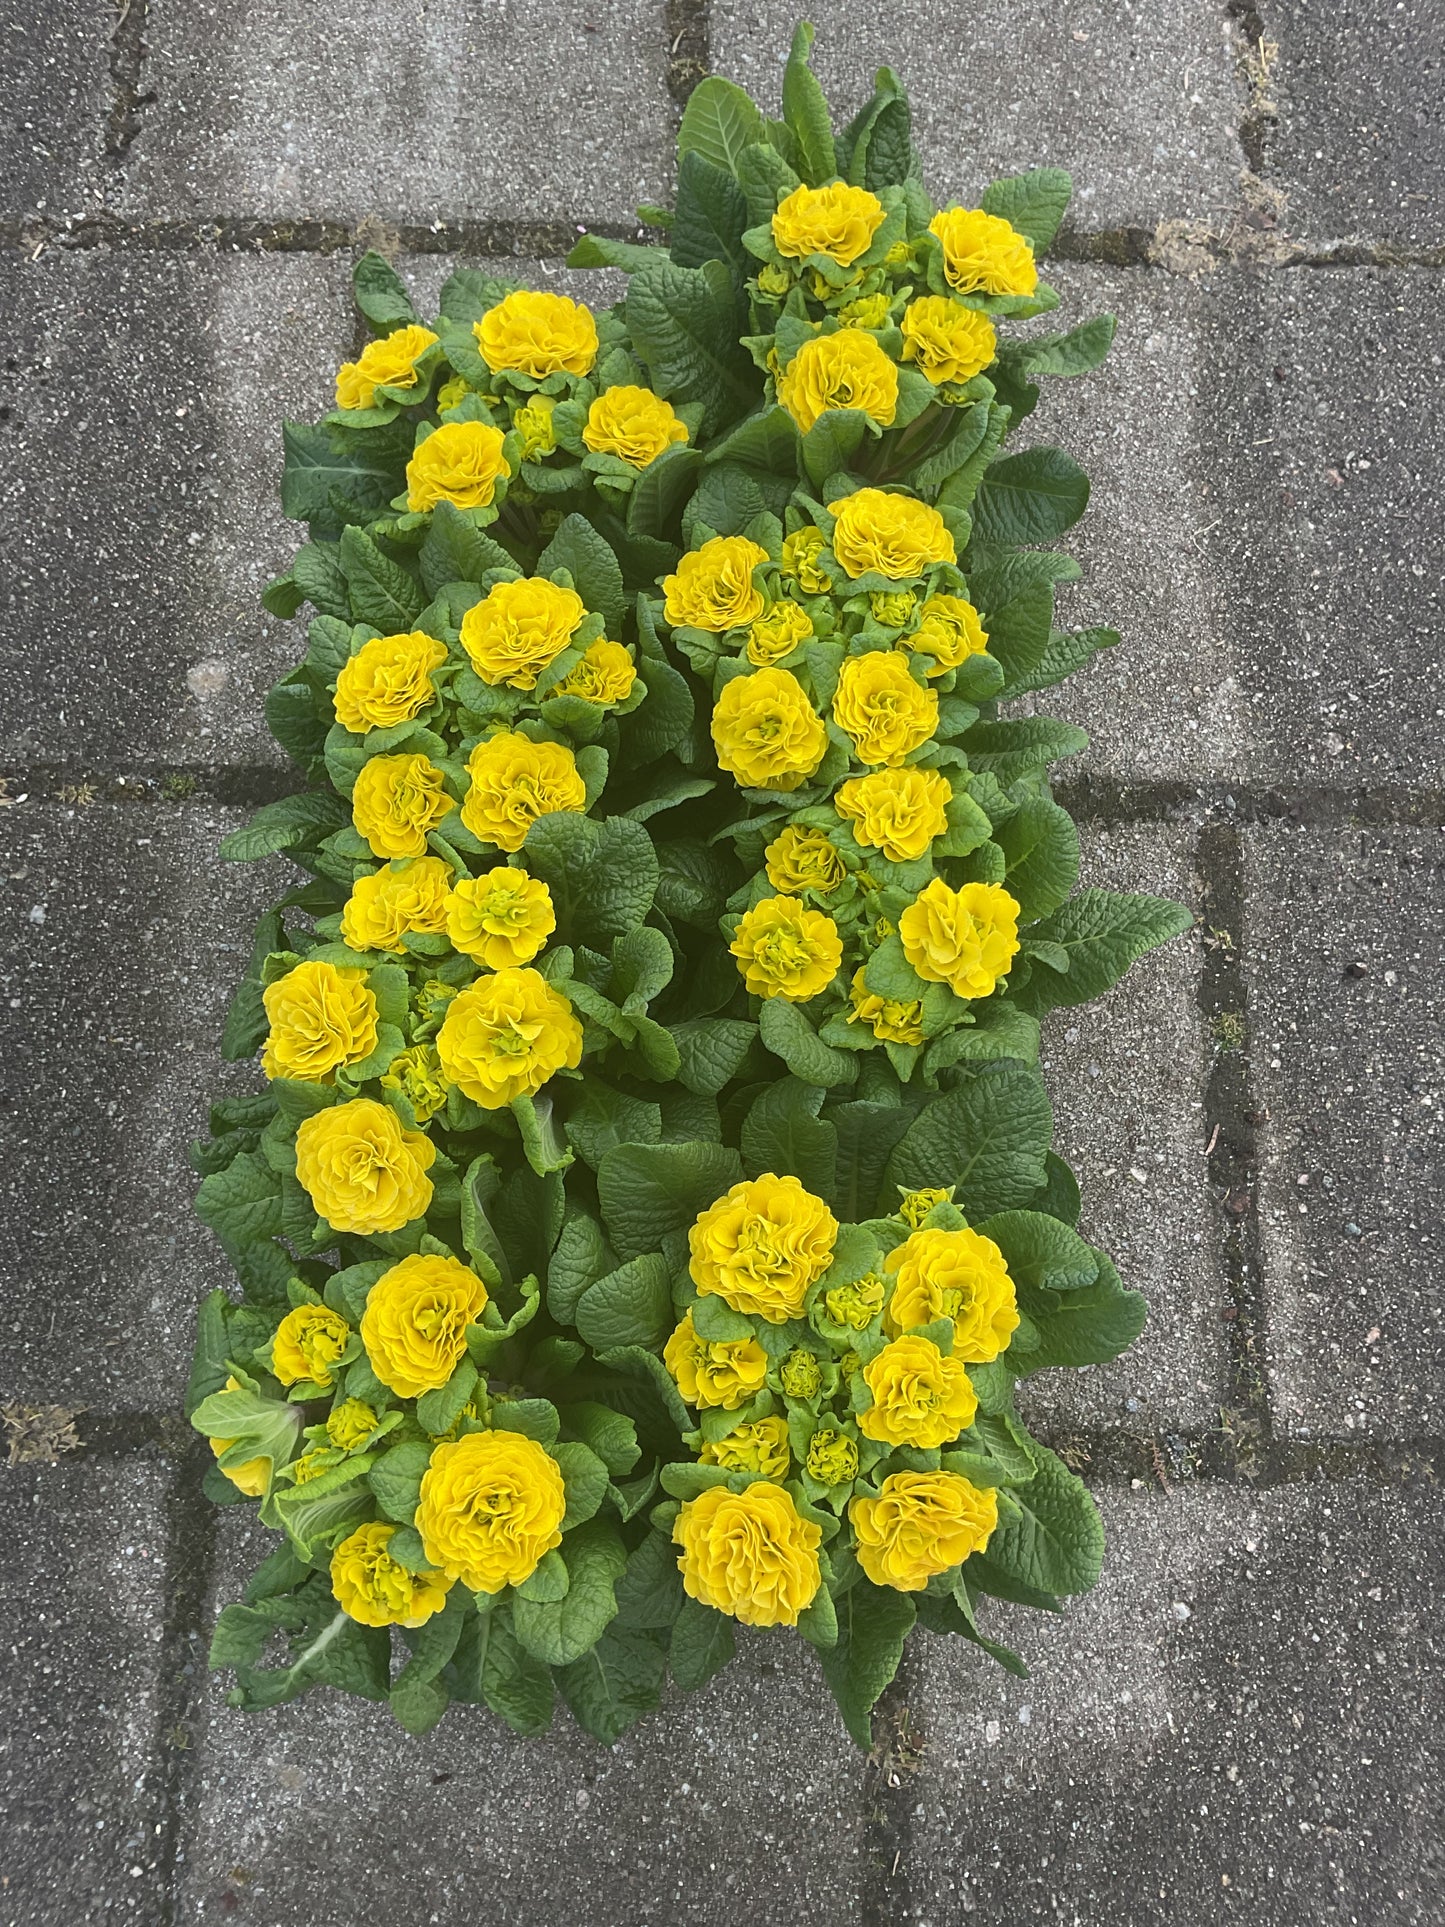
786,950
388,363
857,1304
518,628
868,311
800,564
724,1373
362,1170
777,633
892,607
767,734
890,535
964,938
349,1424
761,1447
501,918
800,1374
506,1035
397,802
533,422
308,1342
251,1477
415,1324
802,859
713,587
537,334
388,681
604,675
321,1019
751,1554
920,1524
452,393
896,811
920,1398
982,254
835,220
633,424
914,1206
832,1457
761,1246
948,341
460,463
513,782
377,1590
843,370
891,1020
950,631
491,1504
404,896
416,1074
959,1275
879,705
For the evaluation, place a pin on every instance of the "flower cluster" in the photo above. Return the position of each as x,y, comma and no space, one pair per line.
646,1216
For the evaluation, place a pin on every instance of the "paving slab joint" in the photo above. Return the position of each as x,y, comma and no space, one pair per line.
1231,1120
888,1802
687,47
1257,56
127,70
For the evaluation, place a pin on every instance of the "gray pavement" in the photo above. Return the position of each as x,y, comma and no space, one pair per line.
1242,1723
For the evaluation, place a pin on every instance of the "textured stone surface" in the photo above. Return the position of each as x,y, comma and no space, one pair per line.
141,518
1234,1726
54,58
1139,102
739,1802
124,934
81,1615
469,110
1127,1078
1345,936
1359,143
1156,432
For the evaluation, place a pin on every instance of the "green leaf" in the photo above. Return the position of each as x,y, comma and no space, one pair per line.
611,1435
516,1686
1041,854
1042,1253
598,251
586,1480
789,1035
989,1137
718,122
630,1306
702,1644
1030,498
383,593
438,1411
595,571
711,217
783,1133
1074,353
602,874
686,326
768,441
381,293
1021,746
456,550
561,1631
649,1190
581,1257
365,468
417,1704
241,1204
396,1480
1055,1544
1101,932
611,1687
1068,650
867,1134
317,570
1086,1327
873,1623
286,823
805,111
1033,203
710,1051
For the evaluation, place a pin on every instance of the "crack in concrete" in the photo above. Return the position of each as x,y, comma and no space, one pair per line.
127,65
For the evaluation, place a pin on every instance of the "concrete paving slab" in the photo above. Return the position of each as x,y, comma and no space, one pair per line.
1359,141
467,111
741,1802
1127,1078
1237,1725
1344,939
141,519
82,1611
1140,102
55,59
124,935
